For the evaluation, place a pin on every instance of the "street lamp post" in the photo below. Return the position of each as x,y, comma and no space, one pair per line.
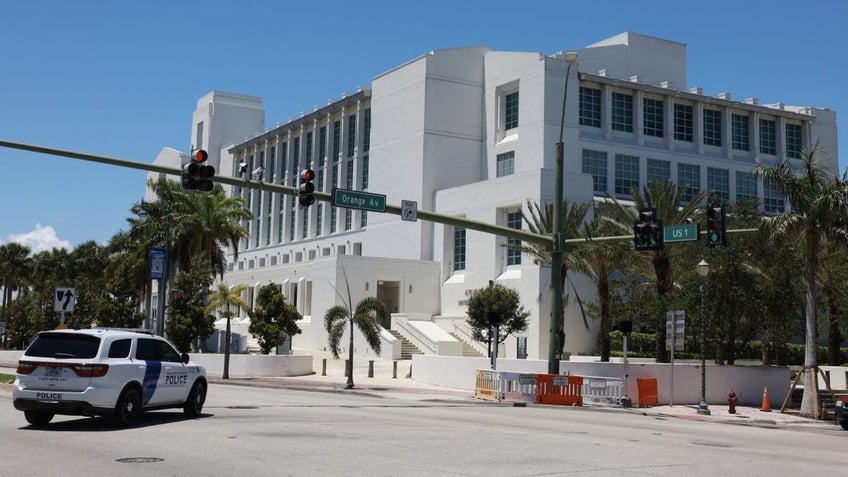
163,283
555,344
703,271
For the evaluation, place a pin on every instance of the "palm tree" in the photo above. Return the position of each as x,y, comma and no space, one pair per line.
599,261
15,268
540,220
223,299
672,207
820,204
207,223
367,317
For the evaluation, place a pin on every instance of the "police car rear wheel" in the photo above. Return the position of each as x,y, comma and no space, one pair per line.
196,397
128,408
38,418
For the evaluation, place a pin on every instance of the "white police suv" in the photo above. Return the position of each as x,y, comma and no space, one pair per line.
99,371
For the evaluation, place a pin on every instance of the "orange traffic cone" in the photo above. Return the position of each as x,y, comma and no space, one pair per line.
766,407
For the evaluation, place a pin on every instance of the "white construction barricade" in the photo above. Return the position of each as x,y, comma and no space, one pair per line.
599,390
505,385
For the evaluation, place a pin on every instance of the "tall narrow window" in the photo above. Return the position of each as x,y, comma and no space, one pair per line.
337,139
768,137
458,248
712,127
653,117
366,126
622,112
683,122
626,173
718,184
513,250
319,217
505,164
688,180
793,141
511,111
773,201
351,135
322,146
658,170
590,107
595,164
198,141
741,132
746,186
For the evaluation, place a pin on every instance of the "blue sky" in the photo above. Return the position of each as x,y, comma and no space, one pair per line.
122,78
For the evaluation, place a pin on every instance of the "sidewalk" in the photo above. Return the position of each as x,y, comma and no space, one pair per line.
386,381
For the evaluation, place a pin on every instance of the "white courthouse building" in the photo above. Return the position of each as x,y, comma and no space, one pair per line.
471,132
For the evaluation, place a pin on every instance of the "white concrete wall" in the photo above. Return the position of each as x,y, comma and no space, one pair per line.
748,381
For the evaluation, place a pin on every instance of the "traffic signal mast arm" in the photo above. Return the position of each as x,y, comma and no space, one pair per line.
264,186
392,209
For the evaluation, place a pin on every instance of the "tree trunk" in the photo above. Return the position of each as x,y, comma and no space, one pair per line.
810,351
226,374
606,320
349,384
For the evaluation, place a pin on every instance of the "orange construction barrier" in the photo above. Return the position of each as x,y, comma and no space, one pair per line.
766,407
648,395
559,389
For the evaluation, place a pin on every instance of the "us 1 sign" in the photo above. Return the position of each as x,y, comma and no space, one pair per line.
680,233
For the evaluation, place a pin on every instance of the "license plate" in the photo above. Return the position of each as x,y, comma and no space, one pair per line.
54,372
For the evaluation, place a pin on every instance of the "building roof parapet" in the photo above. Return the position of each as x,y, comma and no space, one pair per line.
695,94
303,120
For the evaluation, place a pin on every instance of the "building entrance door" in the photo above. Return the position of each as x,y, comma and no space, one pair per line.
389,294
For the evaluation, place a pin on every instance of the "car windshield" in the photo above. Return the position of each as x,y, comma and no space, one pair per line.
64,346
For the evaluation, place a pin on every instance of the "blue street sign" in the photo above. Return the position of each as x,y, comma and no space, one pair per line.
157,263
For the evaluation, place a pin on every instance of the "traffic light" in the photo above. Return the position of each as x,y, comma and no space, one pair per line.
196,173
306,188
648,231
716,225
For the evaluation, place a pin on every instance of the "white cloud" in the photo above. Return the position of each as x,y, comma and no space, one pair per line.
41,239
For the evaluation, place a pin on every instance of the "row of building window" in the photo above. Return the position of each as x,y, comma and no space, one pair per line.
627,175
288,173
653,123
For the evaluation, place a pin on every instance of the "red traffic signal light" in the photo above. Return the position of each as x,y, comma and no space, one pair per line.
196,175
306,188
199,156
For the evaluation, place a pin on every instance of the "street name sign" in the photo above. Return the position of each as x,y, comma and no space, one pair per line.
355,199
680,233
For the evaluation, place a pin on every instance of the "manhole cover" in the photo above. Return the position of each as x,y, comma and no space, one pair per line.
139,460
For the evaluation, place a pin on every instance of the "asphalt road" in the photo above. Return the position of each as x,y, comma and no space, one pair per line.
250,431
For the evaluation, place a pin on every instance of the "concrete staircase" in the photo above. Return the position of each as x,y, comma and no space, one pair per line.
407,349
467,349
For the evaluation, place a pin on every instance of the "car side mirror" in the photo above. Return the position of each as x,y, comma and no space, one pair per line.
185,358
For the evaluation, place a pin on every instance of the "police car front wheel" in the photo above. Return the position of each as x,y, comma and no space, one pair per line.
196,397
